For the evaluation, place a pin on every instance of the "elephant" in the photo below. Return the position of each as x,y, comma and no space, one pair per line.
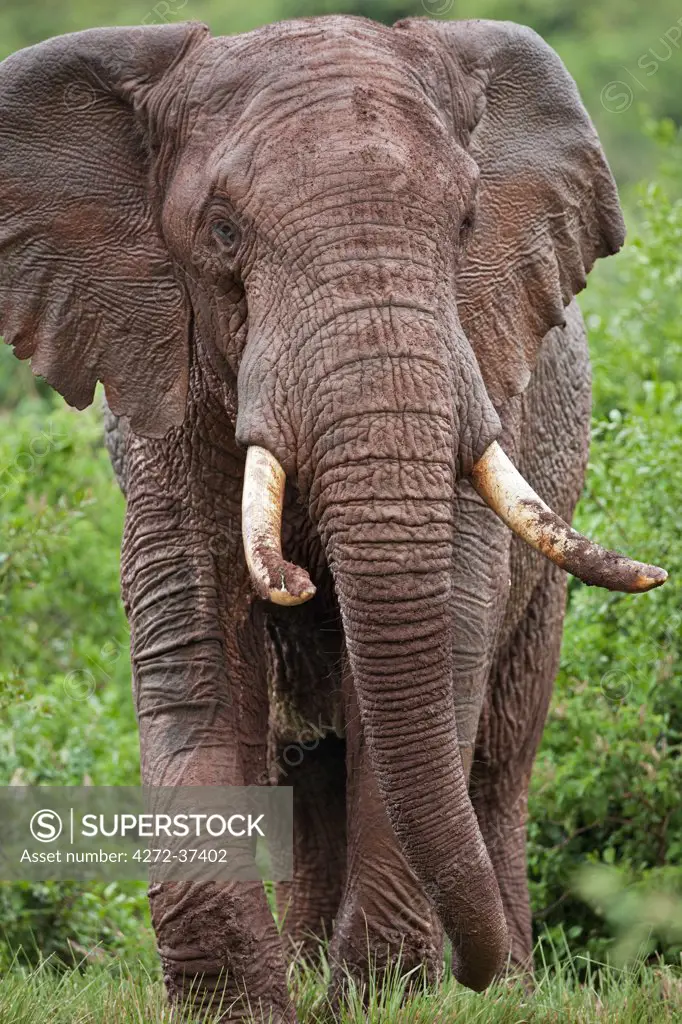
326,272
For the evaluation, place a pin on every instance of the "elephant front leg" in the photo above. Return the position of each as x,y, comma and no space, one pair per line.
218,942
385,921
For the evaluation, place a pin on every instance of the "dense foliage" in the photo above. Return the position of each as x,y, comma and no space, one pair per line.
607,782
65,703
606,823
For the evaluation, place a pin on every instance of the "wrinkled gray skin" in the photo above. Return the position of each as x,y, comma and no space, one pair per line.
345,243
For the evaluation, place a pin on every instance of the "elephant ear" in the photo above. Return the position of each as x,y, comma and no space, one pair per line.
547,204
87,289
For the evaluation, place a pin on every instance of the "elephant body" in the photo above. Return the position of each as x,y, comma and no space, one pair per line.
349,253
281,680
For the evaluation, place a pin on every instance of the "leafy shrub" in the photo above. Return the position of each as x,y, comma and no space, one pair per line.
73,924
607,781
64,665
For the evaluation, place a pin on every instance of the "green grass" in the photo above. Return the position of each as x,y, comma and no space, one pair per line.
576,991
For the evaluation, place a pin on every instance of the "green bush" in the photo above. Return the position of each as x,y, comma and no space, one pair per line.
607,781
64,664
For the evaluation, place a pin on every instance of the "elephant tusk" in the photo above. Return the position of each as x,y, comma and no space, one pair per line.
503,488
262,499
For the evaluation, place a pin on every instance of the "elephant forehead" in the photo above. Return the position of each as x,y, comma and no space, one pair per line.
333,160
278,55
309,155
298,99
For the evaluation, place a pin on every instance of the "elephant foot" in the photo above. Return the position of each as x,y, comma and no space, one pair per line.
211,996
221,955
365,960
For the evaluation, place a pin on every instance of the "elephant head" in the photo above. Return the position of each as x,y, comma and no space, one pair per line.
369,232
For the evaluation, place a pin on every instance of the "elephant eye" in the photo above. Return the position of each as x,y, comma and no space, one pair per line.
227,234
466,227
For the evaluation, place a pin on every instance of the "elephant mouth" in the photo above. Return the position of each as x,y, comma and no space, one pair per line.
499,484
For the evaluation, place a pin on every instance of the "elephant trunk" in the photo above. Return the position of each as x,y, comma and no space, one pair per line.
392,563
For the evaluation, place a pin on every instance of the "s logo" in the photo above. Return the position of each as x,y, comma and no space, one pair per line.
46,826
